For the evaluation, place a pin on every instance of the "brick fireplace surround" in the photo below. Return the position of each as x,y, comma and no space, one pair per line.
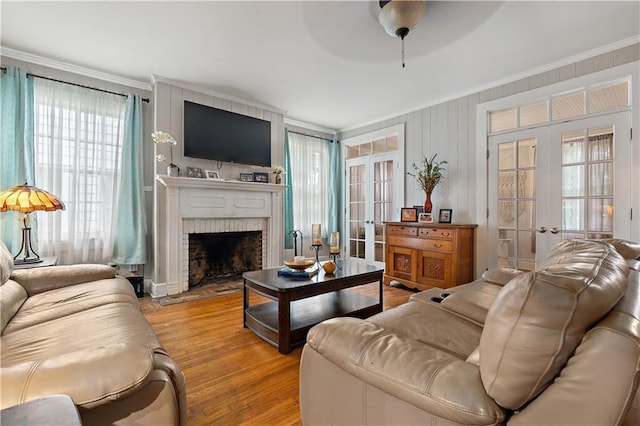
195,205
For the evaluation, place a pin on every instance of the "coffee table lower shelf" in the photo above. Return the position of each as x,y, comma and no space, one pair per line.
262,318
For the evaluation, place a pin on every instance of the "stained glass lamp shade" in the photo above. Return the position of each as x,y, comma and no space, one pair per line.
27,199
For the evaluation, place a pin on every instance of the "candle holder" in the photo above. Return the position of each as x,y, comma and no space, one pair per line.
334,258
317,248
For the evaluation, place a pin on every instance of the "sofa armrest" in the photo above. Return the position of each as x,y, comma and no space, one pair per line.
426,377
90,377
38,280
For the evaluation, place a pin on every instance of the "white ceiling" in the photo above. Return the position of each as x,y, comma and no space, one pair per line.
329,63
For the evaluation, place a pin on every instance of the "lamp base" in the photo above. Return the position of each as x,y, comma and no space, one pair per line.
27,261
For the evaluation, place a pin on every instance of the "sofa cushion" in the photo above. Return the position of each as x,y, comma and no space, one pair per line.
500,276
539,318
627,249
38,280
12,297
6,263
473,301
65,301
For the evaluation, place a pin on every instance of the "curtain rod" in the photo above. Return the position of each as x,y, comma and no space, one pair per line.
4,69
312,136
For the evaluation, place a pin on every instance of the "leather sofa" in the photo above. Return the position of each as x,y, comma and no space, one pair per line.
556,346
78,330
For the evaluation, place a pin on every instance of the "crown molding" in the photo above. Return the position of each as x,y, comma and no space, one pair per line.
492,85
155,79
75,69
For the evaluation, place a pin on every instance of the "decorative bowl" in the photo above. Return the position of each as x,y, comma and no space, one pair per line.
299,266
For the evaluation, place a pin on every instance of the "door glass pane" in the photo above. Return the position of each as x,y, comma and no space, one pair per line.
392,143
572,147
379,146
352,152
526,184
502,120
608,98
567,106
600,147
506,156
506,250
526,153
573,181
573,214
506,185
601,179
365,149
506,213
526,247
526,214
601,214
533,114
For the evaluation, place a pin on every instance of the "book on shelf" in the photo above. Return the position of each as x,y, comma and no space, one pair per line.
296,273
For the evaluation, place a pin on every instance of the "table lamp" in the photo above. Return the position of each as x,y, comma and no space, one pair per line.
27,199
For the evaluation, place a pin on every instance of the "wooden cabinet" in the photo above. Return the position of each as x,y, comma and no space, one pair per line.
424,255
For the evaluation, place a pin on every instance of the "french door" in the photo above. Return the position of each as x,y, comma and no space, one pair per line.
370,200
562,181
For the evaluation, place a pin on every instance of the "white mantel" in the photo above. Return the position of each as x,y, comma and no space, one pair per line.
213,200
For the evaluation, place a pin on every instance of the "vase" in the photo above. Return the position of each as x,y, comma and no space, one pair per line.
278,179
173,171
427,203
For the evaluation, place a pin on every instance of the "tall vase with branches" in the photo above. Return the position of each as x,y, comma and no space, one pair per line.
428,175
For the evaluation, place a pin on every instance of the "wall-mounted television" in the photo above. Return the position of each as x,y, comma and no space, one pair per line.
215,134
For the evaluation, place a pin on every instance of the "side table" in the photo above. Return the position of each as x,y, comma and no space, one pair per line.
46,261
49,410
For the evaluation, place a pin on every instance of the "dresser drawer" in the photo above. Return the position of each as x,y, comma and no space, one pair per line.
405,231
439,245
445,234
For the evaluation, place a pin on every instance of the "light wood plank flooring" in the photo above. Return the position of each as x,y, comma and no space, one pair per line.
233,376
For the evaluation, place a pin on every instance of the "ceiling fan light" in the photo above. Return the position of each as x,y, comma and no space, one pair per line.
398,17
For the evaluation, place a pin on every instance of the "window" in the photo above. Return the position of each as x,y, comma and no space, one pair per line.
77,143
309,182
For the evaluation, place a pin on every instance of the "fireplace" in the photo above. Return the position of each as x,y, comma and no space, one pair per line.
223,256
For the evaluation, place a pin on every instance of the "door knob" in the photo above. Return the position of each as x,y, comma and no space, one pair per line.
554,230
541,230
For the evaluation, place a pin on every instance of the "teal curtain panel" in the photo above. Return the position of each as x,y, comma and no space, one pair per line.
129,243
288,195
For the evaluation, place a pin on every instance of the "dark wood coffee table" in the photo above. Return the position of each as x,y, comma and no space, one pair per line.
299,304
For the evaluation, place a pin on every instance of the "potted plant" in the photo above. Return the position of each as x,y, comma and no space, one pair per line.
163,137
428,177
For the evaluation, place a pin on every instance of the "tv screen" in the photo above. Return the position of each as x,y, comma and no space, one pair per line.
215,134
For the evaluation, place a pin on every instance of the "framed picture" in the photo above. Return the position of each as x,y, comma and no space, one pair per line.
212,174
419,209
246,177
445,216
408,214
425,218
261,177
194,172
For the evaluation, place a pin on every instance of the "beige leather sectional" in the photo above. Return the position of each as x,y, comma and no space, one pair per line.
556,346
78,330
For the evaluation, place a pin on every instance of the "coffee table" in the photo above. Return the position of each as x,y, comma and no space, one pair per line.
298,304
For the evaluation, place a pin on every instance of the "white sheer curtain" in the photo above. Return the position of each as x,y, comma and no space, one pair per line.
78,139
309,183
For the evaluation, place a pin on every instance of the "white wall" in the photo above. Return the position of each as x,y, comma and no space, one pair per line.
450,129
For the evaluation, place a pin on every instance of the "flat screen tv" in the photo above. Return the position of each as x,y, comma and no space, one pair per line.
215,134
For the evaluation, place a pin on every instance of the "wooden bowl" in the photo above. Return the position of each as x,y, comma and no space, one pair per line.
299,266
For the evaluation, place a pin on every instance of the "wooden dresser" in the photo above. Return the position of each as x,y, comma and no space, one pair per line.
424,255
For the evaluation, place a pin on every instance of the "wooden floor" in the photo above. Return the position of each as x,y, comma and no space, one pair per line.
232,376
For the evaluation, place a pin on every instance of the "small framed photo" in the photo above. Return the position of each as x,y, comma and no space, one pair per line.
445,216
246,177
261,177
425,218
212,174
408,214
419,209
194,172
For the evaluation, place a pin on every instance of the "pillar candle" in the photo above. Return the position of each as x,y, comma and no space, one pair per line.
315,234
334,242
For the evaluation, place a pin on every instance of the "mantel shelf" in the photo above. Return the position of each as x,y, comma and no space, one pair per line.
220,184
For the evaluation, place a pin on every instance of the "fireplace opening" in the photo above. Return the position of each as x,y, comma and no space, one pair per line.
223,256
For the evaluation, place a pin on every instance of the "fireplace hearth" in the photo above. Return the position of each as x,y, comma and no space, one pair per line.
223,256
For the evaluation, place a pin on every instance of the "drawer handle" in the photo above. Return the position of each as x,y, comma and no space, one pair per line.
445,234
437,245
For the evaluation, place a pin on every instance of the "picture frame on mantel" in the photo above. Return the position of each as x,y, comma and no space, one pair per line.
246,177
261,177
408,214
